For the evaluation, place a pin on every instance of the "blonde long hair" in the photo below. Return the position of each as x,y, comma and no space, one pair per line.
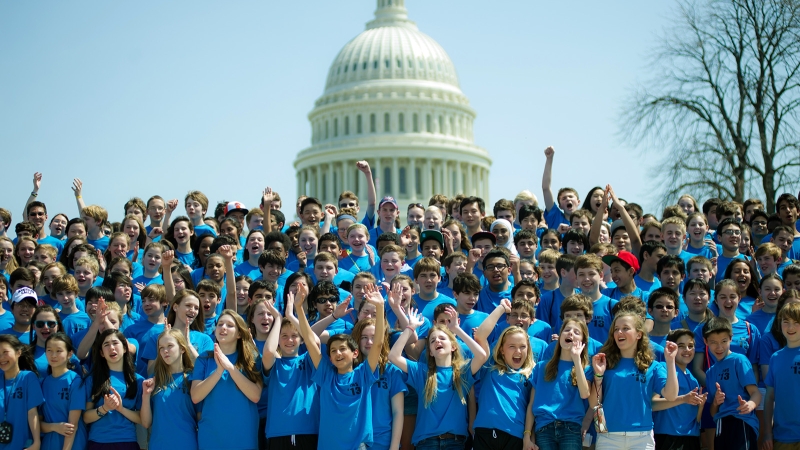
644,353
458,362
551,369
161,373
500,364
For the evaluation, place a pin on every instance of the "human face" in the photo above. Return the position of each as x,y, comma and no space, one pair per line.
502,235
368,311
329,246
577,315
122,294
520,317
289,340
568,201
515,349
296,285
262,319
415,216
466,301
412,244
25,250
343,225
391,263
581,224
550,241
657,254
6,252
784,241
575,248
308,242
719,344
57,226
432,220
215,268
529,223
527,248
496,271
388,213
697,230
570,333
588,280
242,288
427,282
356,238
506,214
740,273
673,236
57,353
37,216
255,244
527,271
342,357
311,215
685,350
118,247
271,272
787,213
325,271
432,249
205,248
621,239
791,282
113,350
226,331
327,305
471,215
744,244
699,271
696,300
182,232
179,283
49,326
767,264
625,334
84,276
169,350
152,307
152,259
188,309
256,222
194,209
730,238
156,210
759,226
367,339
131,228
663,310
23,311
652,234
727,301
549,274
9,358
76,229
791,331
671,277
48,276
346,203
229,229
439,344
771,290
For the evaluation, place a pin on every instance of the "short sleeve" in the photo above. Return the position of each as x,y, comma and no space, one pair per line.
396,382
149,350
744,371
324,371
77,395
368,377
33,391
770,379
199,372
414,374
139,381
699,343
659,377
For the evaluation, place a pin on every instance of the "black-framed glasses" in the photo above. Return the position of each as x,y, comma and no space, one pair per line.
42,323
760,223
323,300
732,232
667,307
493,267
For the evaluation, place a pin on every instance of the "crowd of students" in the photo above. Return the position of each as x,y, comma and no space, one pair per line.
582,324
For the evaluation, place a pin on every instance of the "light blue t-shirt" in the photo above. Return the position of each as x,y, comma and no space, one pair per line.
627,394
63,394
20,395
733,374
679,420
99,244
600,324
446,413
503,399
294,398
784,378
390,383
558,399
114,427
174,416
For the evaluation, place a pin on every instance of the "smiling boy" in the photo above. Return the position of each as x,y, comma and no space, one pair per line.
588,274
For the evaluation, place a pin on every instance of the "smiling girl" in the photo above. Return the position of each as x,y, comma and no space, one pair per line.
253,248
65,392
181,235
362,254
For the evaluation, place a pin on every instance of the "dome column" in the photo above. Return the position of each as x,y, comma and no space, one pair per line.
318,184
380,187
427,188
395,178
329,185
411,182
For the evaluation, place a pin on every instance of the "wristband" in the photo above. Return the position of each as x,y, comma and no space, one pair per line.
598,376
333,314
98,412
412,329
34,194
78,196
526,432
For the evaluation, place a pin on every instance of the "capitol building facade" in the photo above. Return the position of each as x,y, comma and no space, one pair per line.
392,98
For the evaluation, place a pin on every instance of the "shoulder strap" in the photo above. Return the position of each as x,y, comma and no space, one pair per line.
685,325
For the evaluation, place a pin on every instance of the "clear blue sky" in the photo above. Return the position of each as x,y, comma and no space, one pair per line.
144,98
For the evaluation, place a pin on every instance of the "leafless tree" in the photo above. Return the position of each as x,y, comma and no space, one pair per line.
722,106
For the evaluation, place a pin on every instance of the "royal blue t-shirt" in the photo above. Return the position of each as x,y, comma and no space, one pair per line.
225,409
57,243
390,383
733,374
558,399
99,244
784,378
114,427
600,324
249,270
627,394
62,395
646,286
503,399
489,299
616,293
746,341
6,320
760,320
345,395
679,420
554,216
540,329
75,322
174,416
549,308
426,307
294,398
24,337
18,396
446,413
722,264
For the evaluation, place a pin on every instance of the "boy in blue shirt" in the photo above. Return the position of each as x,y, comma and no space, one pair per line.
196,204
677,423
497,269
73,320
467,288
473,210
427,276
525,296
624,266
95,216
568,200
23,305
729,233
589,273
344,391
388,213
732,389
649,255
783,385
549,309
662,305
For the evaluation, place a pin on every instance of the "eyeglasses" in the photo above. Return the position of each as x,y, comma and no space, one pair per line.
760,223
416,205
493,267
686,346
514,316
667,307
732,232
42,323
37,214
348,205
323,300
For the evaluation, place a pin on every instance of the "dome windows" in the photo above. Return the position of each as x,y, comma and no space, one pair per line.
415,123
372,123
364,67
386,119
401,123
358,124
375,64
355,66
336,127
388,64
428,124
399,63
346,125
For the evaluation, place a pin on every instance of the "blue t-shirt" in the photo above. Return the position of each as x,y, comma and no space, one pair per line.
24,336
558,399
503,399
554,216
489,299
158,279
114,427
549,309
375,232
294,398
426,307
185,258
390,383
646,286
19,395
593,349
40,360
734,374
766,348
202,230
139,329
722,264
345,395
75,322
358,264
600,324
99,244
225,409
6,320
57,243
63,394
627,394
760,320
746,341
679,420
540,329
616,293
783,377
249,270
174,416
446,413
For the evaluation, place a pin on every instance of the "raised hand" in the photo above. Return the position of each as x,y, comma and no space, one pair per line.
331,210
267,197
474,255
693,397
363,167
373,296
453,314
148,386
101,260
670,352
563,228
599,364
37,181
166,260
227,252
273,311
719,397
139,286
506,304
135,257
415,319
77,187
155,232
172,205
576,350
343,308
549,152
514,262
300,296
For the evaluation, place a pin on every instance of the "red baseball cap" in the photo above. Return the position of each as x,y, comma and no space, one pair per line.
626,258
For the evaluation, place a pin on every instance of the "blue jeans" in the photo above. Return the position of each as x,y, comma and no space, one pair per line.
559,435
435,443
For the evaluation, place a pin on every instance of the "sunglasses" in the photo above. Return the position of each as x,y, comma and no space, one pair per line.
416,205
323,300
42,323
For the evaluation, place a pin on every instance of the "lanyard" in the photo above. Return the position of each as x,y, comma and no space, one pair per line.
7,398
